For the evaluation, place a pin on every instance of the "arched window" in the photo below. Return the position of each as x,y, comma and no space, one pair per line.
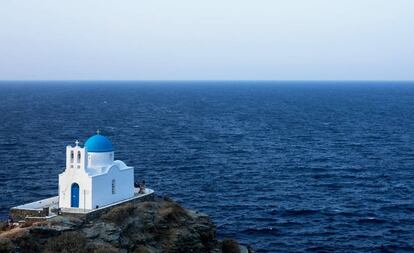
71,156
79,156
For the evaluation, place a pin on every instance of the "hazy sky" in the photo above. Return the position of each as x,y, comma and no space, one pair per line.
212,39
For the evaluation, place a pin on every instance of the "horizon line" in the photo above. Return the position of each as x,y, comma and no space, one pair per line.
203,80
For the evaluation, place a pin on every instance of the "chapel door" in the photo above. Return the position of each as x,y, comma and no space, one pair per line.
74,193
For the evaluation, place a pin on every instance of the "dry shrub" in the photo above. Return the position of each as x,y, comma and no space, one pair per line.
27,223
4,226
54,222
230,246
6,245
119,213
147,205
141,249
26,242
69,242
173,212
101,248
40,223
33,223
14,233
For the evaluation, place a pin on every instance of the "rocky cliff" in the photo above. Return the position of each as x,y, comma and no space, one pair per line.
158,225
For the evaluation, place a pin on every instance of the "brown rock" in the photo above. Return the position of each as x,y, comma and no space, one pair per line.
155,226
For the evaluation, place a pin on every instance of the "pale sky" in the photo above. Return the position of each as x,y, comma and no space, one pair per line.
207,40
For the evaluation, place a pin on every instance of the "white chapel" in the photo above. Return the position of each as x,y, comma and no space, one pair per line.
92,178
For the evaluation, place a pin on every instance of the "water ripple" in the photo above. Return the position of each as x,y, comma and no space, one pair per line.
298,167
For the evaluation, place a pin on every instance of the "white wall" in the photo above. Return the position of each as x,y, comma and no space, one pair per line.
99,159
66,179
75,173
102,186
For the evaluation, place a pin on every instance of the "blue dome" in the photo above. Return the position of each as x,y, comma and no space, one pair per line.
98,143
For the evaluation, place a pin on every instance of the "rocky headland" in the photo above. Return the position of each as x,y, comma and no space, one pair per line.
158,225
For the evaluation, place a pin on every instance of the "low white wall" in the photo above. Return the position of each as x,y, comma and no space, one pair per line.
40,204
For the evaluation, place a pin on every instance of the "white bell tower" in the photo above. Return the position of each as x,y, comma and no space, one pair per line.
76,157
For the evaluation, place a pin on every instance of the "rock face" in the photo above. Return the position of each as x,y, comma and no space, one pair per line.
160,225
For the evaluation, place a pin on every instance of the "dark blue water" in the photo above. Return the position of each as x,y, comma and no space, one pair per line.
281,166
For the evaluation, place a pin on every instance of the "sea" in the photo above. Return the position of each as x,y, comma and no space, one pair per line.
281,166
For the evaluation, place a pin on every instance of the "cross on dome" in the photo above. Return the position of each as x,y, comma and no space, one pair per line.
98,131
77,143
